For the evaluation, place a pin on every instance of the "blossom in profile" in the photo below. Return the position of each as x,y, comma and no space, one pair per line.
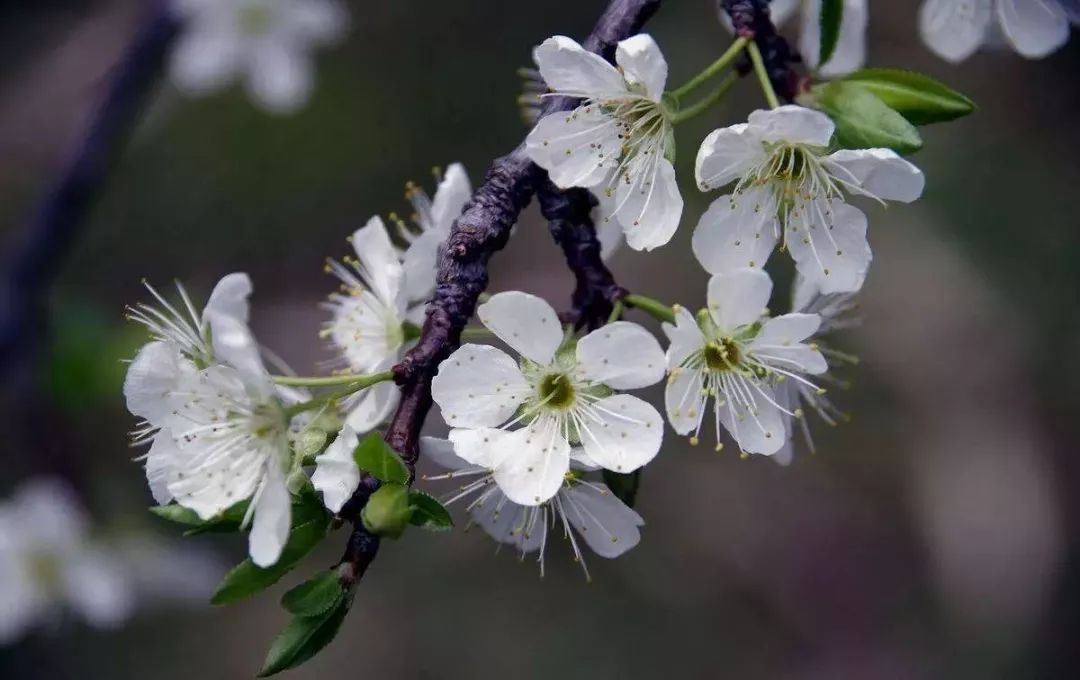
521,419
790,189
584,510
618,142
266,44
956,29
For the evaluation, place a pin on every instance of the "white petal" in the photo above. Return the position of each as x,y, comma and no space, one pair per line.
421,262
510,523
685,337
22,602
609,527
280,78
782,10
780,344
152,377
270,525
336,473
568,67
609,233
579,148
952,29
525,322
726,155
621,355
316,21
48,510
97,587
684,400
162,462
478,386
850,52
881,172
372,406
535,470
441,452
379,261
833,251
736,231
236,346
738,298
450,198
643,64
579,460
791,124
1034,27
621,432
805,292
761,430
650,206
205,58
486,447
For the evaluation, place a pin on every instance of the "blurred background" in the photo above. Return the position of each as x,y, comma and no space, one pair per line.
933,536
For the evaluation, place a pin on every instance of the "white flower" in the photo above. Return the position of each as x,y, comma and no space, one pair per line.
265,43
598,517
559,396
220,432
619,141
955,29
48,564
790,187
336,472
850,52
733,355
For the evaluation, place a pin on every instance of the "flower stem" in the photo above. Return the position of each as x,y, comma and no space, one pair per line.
701,106
616,311
355,381
712,69
358,383
762,75
654,308
473,333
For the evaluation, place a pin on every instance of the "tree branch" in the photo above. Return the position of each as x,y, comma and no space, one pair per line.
482,229
751,19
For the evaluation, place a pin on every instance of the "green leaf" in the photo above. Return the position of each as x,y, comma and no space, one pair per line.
832,15
178,514
309,526
428,512
226,522
374,456
303,638
862,120
314,597
310,442
918,98
388,511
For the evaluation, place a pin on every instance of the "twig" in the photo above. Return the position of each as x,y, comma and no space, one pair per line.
751,19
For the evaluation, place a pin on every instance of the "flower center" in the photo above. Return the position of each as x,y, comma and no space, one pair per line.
556,391
722,355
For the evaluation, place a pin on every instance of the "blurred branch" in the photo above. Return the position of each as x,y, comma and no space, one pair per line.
482,230
751,19
34,267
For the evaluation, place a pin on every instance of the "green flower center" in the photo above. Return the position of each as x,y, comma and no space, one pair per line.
556,391
722,355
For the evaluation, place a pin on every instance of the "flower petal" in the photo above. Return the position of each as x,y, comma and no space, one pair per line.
569,68
1034,27
609,527
270,525
649,206
726,155
372,406
230,297
738,298
478,386
152,377
609,233
685,337
578,149
234,345
316,21
536,469
954,30
850,52
880,172
336,473
791,124
98,587
579,460
451,196
621,432
643,64
780,344
161,465
755,430
483,446
441,452
421,262
507,522
206,57
525,322
379,261
736,231
833,250
621,355
280,77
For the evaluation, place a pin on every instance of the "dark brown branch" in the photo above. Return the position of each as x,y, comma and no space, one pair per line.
482,230
751,19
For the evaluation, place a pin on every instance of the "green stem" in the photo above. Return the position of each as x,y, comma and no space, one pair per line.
701,106
357,381
712,69
476,334
654,308
616,311
762,75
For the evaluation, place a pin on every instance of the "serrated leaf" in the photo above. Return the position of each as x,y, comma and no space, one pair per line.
374,456
862,120
830,19
428,512
918,98
388,511
309,526
314,597
303,638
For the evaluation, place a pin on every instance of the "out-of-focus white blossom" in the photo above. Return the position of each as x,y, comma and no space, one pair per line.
955,29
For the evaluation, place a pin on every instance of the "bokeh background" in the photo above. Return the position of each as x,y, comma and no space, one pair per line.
933,536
